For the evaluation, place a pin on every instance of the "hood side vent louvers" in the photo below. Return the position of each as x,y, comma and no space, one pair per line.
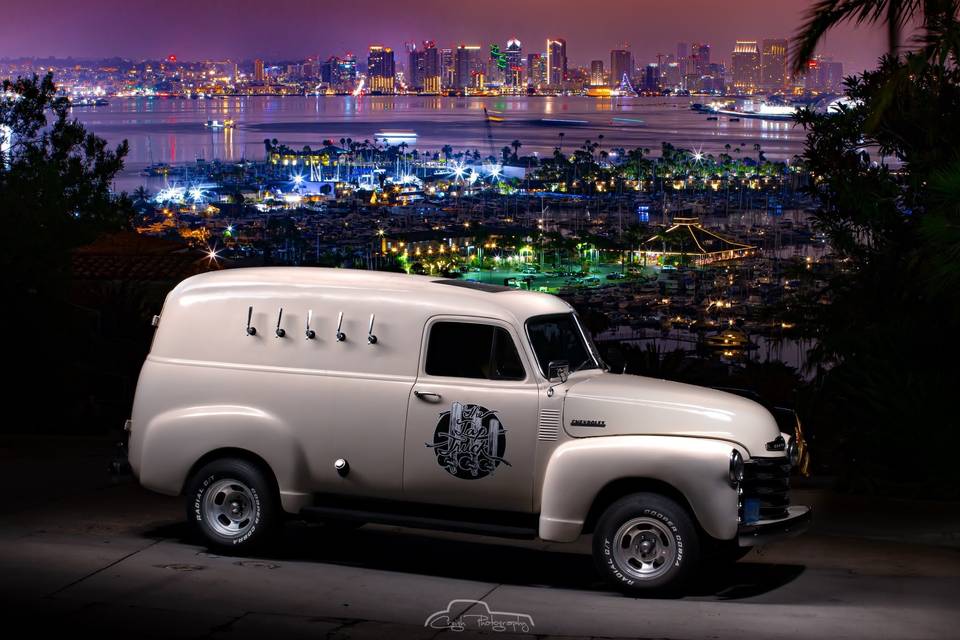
549,426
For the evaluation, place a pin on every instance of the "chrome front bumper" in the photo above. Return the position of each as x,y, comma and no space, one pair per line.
763,531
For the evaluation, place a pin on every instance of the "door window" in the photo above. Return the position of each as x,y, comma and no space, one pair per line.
470,350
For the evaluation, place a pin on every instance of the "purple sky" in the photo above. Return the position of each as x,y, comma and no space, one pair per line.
240,29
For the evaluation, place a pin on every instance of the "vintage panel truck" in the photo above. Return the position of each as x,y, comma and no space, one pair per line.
352,396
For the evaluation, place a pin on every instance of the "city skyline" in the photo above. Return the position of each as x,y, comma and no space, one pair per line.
279,31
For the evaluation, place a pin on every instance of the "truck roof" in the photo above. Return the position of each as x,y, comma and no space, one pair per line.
454,295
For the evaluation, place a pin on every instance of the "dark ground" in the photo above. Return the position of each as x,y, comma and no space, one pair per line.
82,553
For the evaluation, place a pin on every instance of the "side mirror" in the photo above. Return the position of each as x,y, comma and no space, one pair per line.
558,370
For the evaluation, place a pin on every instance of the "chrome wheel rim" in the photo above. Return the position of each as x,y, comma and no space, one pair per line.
229,508
644,548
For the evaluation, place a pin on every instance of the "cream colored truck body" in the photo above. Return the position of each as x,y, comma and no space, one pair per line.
300,404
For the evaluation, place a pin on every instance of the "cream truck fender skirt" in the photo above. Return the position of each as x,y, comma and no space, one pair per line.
698,468
178,438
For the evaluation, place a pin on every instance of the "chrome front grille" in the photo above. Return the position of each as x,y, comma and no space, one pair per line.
766,481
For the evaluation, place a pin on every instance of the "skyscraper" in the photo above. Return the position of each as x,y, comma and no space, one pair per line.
596,73
425,67
536,71
432,69
621,64
468,66
447,68
700,55
381,69
514,63
651,77
414,67
556,62
773,65
746,67
258,75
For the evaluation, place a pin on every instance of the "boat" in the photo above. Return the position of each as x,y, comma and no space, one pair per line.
734,119
712,118
396,137
556,122
763,111
493,116
629,122
216,124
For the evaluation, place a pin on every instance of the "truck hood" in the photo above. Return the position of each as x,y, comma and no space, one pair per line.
607,404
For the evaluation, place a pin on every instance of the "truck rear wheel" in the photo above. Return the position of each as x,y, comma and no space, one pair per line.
645,543
232,505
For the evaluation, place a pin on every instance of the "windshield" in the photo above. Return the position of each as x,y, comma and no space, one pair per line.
560,337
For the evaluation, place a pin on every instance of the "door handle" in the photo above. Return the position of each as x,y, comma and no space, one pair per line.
427,396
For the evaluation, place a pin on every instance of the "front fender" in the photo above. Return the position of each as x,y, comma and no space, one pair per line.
165,448
696,467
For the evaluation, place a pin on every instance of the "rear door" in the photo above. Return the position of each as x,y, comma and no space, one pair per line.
471,420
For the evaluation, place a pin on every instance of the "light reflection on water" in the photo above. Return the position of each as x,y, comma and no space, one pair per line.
173,131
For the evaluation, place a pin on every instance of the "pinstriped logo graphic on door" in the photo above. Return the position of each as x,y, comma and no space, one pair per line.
469,441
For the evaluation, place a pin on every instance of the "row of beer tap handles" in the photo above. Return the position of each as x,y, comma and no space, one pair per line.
310,334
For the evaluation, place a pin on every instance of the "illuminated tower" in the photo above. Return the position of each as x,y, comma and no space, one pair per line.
258,75
467,65
621,64
514,63
556,62
431,67
746,67
596,73
536,71
773,65
381,69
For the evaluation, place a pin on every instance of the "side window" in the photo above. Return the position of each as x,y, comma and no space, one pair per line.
469,350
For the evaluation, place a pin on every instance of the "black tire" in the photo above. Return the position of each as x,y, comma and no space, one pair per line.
647,527
221,483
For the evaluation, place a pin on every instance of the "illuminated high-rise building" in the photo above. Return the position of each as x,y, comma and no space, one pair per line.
536,71
746,67
468,66
448,68
258,74
556,61
773,65
596,73
651,78
700,58
432,70
621,64
514,53
414,67
381,70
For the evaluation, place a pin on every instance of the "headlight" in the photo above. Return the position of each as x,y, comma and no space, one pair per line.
736,468
793,452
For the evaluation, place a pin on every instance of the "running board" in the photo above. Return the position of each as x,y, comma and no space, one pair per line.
419,522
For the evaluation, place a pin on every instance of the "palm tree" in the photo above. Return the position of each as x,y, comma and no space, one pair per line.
516,144
937,17
141,195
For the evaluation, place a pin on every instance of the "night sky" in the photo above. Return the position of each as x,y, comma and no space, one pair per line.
285,29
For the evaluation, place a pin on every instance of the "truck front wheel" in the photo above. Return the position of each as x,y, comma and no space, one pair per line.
231,504
646,543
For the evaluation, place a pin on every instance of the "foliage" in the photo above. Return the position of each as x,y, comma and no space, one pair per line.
54,185
887,338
